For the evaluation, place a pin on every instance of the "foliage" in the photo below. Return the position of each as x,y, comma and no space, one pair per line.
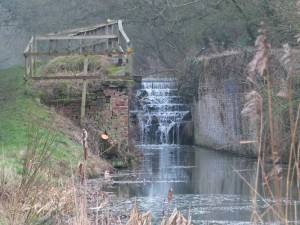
34,194
53,15
188,86
172,32
164,33
37,156
75,64
114,70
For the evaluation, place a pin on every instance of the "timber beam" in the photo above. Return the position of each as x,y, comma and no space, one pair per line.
55,54
51,38
80,77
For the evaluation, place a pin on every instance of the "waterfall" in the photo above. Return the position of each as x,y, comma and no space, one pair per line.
160,111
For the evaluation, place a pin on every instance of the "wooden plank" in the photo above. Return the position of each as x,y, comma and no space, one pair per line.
26,49
76,37
117,78
55,54
121,29
80,77
84,29
247,142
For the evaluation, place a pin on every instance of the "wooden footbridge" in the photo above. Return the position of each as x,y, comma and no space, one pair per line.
102,39
107,39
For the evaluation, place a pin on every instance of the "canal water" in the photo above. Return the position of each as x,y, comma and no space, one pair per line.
206,182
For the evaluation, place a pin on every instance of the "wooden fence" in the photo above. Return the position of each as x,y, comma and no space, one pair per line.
102,39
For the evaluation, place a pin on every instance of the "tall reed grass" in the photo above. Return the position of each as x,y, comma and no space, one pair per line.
260,106
34,195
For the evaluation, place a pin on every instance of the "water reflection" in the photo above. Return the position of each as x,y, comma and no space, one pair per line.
218,173
188,170
207,181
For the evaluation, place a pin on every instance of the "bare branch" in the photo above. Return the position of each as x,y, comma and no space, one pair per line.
219,2
185,4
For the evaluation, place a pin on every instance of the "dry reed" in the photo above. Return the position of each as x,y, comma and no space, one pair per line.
34,196
176,218
272,182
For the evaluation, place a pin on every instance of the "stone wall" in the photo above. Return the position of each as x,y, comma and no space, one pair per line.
216,110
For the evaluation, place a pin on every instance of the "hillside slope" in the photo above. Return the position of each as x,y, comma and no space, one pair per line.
21,115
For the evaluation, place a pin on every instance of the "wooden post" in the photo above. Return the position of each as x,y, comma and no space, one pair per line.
26,54
31,59
81,44
55,50
50,48
84,85
106,33
83,101
34,48
26,66
128,67
85,66
69,47
113,41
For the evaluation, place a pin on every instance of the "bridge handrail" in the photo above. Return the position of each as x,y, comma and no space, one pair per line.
121,29
112,33
77,31
63,35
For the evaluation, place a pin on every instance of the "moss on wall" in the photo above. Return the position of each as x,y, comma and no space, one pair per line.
219,97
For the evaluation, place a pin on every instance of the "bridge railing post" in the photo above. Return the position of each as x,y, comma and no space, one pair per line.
30,59
128,46
129,63
84,86
34,50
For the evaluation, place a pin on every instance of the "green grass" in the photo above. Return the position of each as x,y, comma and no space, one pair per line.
73,63
113,70
18,111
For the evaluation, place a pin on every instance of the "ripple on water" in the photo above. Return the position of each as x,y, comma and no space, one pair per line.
212,209
206,182
219,209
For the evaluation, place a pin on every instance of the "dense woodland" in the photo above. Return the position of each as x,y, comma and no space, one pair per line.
165,33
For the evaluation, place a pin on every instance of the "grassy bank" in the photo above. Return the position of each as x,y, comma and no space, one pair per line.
39,151
21,113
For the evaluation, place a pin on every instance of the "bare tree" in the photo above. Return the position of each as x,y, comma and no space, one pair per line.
167,33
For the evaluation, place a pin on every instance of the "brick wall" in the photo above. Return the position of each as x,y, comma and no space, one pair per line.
109,107
106,106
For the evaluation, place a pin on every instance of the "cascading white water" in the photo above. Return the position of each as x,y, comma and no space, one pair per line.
161,111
